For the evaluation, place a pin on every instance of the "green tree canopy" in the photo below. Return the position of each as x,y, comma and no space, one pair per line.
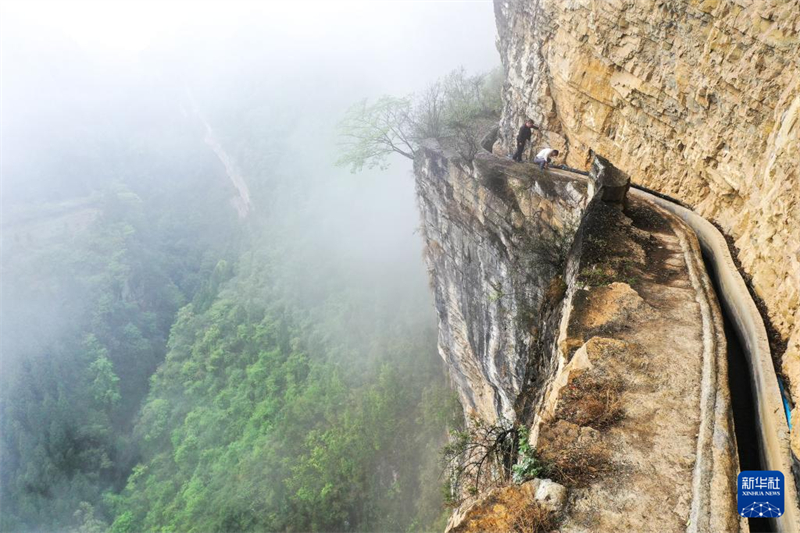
372,132
103,382
455,108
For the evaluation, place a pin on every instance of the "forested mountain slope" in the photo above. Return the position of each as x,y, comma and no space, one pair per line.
171,363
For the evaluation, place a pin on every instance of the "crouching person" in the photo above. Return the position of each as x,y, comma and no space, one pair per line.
544,157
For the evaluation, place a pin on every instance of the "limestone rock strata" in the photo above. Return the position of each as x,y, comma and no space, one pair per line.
496,234
698,99
633,424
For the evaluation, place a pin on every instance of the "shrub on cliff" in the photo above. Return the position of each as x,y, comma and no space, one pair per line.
484,455
527,465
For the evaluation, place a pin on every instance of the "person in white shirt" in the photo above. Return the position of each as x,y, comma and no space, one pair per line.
543,157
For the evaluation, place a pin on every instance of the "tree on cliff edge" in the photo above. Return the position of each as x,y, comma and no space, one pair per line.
372,132
454,108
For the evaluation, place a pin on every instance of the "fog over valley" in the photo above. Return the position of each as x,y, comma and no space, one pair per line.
207,323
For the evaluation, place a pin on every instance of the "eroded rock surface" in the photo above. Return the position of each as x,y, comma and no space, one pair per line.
614,353
637,421
496,234
698,99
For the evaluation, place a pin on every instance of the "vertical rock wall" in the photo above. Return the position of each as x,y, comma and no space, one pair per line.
496,235
699,99
632,437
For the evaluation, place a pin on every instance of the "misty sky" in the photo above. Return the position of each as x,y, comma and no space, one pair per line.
131,136
81,79
393,45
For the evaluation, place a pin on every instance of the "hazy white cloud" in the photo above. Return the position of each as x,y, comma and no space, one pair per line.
78,69
131,26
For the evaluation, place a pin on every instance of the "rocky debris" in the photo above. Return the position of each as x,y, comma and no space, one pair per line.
696,99
612,306
548,494
532,506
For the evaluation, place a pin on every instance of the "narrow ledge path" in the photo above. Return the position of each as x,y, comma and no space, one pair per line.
738,305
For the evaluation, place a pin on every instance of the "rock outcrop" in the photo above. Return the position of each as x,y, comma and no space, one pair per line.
634,423
531,506
496,236
698,99
584,312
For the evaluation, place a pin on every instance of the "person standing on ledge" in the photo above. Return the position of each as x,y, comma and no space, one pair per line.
543,157
523,137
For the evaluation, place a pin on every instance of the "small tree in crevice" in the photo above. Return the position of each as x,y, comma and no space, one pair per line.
371,132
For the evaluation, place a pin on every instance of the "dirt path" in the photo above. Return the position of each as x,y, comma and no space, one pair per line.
645,342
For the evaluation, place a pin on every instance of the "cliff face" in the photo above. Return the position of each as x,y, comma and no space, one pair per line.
495,239
561,327
698,99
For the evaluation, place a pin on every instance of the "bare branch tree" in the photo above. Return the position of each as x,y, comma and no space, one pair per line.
480,456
